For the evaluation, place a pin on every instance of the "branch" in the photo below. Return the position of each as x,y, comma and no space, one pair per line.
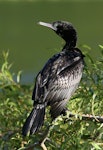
88,117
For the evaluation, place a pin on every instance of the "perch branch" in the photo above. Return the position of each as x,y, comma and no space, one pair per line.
87,117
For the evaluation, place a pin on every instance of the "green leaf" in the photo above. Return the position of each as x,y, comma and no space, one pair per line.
96,146
101,46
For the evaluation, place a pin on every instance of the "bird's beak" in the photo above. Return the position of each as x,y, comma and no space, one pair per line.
49,25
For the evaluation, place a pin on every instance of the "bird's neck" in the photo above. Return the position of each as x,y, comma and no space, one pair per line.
69,45
70,42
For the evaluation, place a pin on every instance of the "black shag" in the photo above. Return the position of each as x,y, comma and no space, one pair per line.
58,80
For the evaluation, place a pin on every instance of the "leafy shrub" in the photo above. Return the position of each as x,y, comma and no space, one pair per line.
72,133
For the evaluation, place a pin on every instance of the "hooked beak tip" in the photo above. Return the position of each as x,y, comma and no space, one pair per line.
39,23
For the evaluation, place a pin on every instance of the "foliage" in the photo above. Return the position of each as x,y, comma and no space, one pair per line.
15,104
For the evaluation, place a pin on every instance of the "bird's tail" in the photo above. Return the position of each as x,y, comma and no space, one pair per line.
35,120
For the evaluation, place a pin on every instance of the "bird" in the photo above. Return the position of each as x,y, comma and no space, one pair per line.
57,81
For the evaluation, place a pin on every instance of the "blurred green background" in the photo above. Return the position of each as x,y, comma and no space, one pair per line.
30,45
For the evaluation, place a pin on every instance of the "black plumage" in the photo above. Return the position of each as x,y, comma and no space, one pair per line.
58,80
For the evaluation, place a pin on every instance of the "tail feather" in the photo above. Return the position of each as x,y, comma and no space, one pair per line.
39,120
35,120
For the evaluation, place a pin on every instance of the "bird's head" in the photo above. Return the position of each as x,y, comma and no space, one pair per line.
63,29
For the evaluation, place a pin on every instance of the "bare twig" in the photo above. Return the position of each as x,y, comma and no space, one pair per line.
88,117
45,136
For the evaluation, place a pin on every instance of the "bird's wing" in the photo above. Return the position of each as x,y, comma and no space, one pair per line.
68,65
67,83
42,78
56,66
